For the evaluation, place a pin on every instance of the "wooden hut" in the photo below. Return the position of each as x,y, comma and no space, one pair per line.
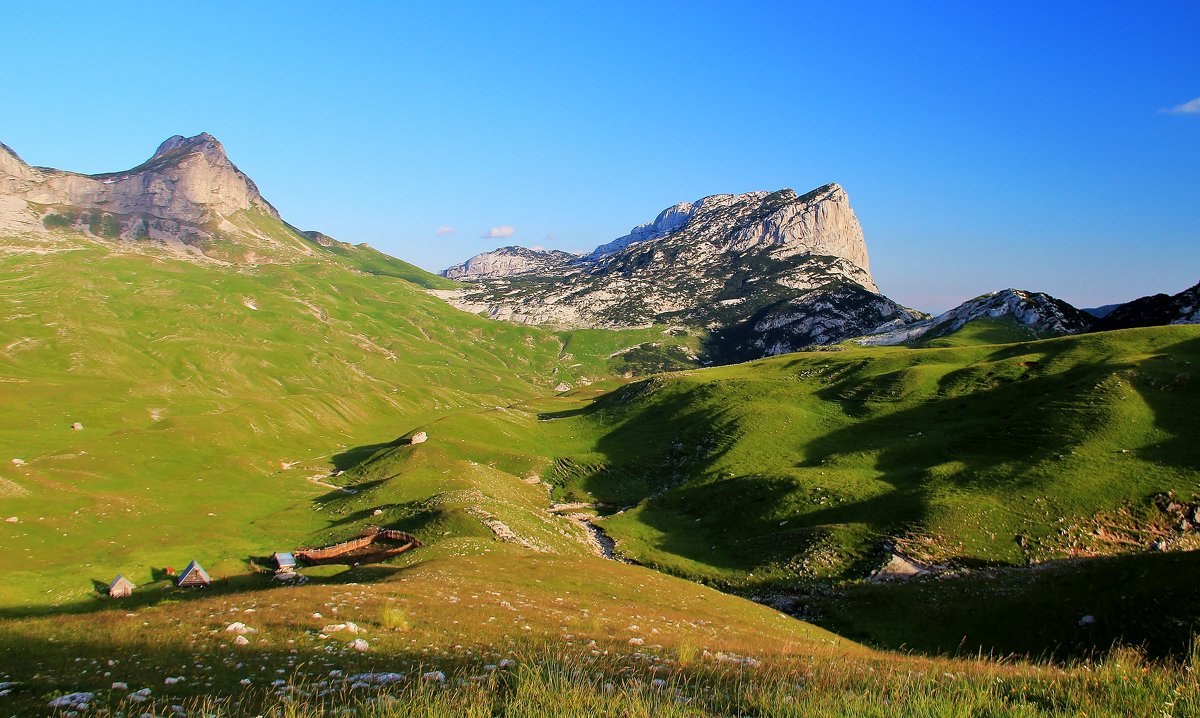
193,575
121,587
284,562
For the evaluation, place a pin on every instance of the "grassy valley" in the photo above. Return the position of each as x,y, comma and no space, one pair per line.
228,411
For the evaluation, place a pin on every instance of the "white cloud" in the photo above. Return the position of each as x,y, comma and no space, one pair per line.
499,232
1187,108
445,229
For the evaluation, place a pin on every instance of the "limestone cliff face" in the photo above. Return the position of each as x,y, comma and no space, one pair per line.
187,194
820,222
189,179
767,271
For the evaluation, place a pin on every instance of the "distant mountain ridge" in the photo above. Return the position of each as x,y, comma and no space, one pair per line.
1045,316
763,272
1155,310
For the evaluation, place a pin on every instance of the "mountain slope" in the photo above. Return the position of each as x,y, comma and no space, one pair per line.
1028,315
764,272
1155,310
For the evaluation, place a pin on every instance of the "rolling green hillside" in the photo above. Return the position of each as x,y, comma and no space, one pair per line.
213,397
803,466
769,475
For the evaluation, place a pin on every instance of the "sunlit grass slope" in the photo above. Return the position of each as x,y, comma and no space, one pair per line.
803,466
210,395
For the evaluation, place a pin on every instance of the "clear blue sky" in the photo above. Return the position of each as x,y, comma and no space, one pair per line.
984,145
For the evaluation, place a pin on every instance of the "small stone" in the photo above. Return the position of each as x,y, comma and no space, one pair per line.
77,426
1087,620
419,438
241,641
12,520
360,645
434,676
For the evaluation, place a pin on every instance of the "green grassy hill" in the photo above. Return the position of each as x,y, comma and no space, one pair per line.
214,397
803,466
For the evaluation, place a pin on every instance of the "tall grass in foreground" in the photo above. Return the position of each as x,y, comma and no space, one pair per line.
1122,684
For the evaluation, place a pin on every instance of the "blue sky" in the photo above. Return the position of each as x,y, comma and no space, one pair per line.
983,145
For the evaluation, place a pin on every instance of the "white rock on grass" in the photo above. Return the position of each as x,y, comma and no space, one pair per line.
381,679
434,677
79,701
239,628
120,686
241,641
359,645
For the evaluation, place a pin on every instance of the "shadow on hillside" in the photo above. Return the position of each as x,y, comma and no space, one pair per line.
1169,383
1062,610
995,427
350,458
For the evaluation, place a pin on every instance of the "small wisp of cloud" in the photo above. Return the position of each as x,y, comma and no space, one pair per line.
445,229
1191,107
499,232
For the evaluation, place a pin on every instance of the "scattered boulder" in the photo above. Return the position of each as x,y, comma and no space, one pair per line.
434,677
239,628
419,438
379,679
1087,620
77,426
359,645
12,520
18,462
899,568
78,701
562,386
241,641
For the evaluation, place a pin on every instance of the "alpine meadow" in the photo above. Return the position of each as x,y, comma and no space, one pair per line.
706,467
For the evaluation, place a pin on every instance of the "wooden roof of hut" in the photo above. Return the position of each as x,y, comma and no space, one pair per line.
120,586
193,575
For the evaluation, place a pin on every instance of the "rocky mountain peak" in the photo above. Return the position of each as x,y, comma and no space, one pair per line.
203,142
184,193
